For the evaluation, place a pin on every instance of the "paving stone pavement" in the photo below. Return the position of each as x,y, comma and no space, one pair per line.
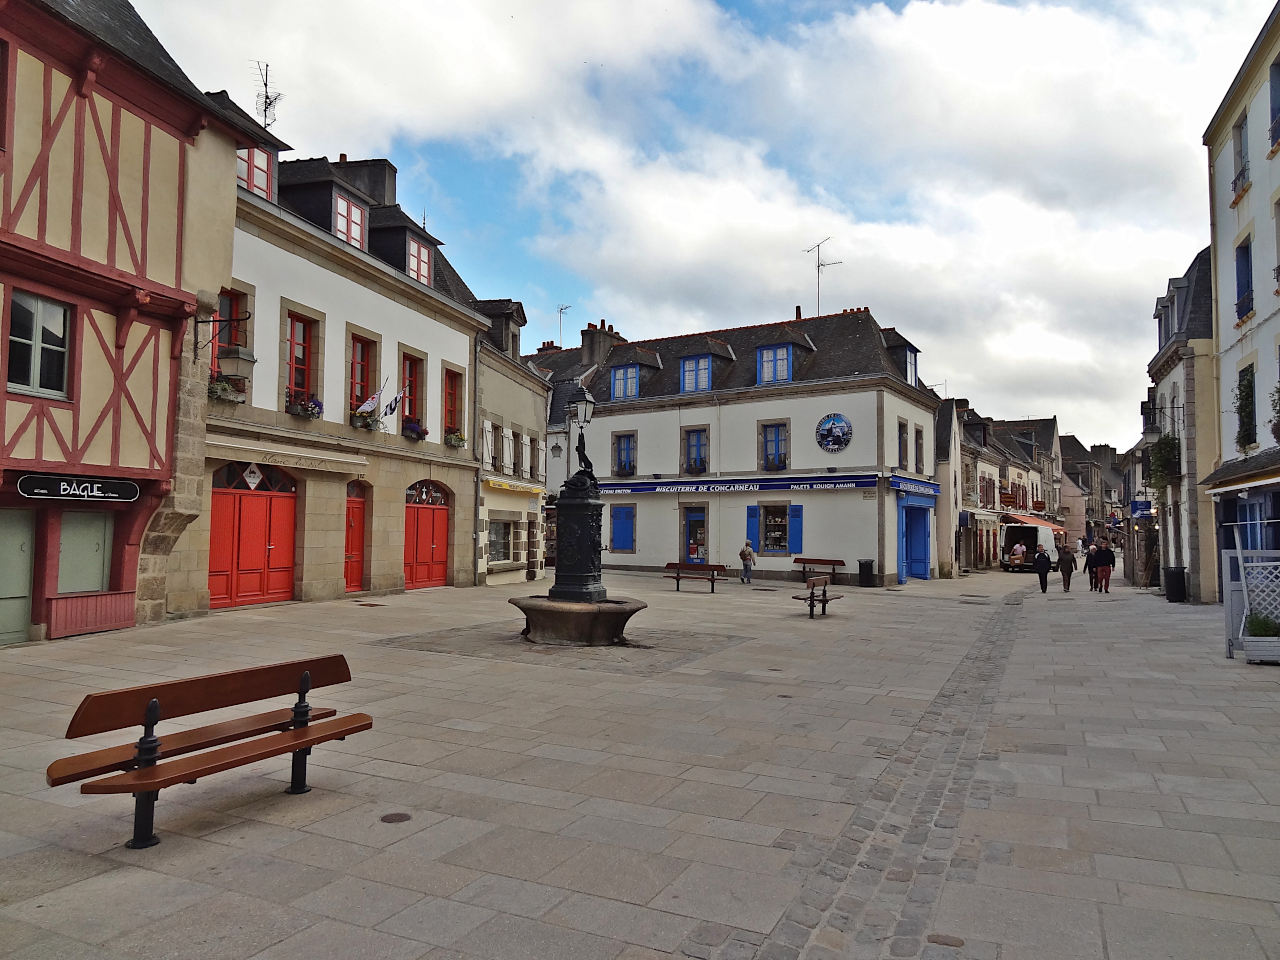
953,770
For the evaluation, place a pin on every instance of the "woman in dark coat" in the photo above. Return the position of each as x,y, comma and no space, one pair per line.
1041,564
1091,566
1066,566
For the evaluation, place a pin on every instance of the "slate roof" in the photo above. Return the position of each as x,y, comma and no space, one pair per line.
1199,276
393,215
115,25
1266,460
1042,430
1073,451
233,114
831,347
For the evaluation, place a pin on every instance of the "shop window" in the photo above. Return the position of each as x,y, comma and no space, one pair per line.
84,554
624,383
362,354
695,374
775,446
622,528
773,364
624,455
419,262
411,383
452,405
348,220
255,169
499,540
696,449
300,373
776,529
39,329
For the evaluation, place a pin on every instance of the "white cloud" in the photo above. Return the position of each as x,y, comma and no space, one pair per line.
1000,180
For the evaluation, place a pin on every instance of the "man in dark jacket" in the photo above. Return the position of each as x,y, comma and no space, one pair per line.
1066,566
1105,560
1041,564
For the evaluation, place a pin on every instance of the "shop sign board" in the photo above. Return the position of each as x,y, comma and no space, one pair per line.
46,487
798,484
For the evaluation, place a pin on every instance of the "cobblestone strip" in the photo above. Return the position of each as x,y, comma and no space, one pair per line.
872,893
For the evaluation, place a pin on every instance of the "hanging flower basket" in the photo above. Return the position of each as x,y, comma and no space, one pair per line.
299,404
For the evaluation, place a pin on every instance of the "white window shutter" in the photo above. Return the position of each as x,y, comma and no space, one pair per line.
486,435
508,447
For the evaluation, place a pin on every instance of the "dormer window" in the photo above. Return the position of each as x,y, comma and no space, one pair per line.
695,374
255,170
912,377
773,364
348,220
624,384
419,262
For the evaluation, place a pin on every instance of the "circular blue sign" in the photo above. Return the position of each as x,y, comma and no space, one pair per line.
834,432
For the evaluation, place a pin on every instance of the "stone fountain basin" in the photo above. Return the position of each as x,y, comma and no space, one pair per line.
573,624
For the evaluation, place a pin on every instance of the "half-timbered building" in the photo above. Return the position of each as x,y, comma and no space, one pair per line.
117,202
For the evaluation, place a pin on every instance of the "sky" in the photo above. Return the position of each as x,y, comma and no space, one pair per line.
1009,184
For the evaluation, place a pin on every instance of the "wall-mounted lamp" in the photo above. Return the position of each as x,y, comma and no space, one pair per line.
234,362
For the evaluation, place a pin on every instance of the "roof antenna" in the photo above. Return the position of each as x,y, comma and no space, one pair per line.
817,248
562,308
266,100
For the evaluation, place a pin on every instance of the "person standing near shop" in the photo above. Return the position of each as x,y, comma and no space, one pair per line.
1106,559
1041,564
1066,566
1091,566
748,558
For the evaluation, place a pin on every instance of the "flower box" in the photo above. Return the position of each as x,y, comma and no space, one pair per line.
413,430
366,421
455,440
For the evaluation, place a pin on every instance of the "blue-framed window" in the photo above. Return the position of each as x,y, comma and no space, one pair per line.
624,455
696,449
773,364
775,446
1244,279
625,382
695,374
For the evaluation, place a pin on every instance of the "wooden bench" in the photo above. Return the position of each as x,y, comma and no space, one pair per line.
184,756
814,598
807,562
695,571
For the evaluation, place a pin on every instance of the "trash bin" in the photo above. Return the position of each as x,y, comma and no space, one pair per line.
1175,584
866,573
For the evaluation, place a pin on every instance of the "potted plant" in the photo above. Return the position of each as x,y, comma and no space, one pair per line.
412,429
371,421
299,404
1261,638
454,438
1275,413
1246,425
222,387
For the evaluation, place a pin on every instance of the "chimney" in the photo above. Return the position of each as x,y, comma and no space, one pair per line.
961,404
342,158
597,341
376,177
548,346
798,316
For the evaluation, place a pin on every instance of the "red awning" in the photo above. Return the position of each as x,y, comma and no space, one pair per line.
1038,521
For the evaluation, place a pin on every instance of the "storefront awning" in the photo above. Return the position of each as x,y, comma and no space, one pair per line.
1038,521
514,485
283,455
1227,487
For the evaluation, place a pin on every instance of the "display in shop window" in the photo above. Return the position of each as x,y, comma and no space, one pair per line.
775,530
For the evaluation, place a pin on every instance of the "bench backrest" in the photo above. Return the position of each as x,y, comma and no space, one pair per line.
696,567
818,562
813,583
117,709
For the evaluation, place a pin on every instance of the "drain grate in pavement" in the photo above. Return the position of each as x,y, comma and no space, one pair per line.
765,589
647,652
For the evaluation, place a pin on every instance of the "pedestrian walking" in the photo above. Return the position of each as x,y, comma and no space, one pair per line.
1041,564
1066,566
1091,566
1080,545
1106,560
748,558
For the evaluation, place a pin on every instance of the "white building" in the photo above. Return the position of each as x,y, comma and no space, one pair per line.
810,438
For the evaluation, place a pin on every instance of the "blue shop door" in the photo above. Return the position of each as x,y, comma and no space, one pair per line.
695,535
918,542
903,514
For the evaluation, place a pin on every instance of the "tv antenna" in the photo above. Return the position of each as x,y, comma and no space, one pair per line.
561,309
817,249
266,100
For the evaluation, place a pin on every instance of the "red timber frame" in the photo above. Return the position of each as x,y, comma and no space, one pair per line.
52,434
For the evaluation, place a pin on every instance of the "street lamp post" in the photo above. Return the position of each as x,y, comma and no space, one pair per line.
579,520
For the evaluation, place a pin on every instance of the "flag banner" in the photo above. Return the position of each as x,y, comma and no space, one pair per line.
369,405
393,405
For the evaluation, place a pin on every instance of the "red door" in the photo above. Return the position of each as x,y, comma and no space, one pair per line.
426,546
354,565
251,540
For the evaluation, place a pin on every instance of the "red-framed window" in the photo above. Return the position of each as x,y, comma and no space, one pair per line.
419,261
411,383
301,334
230,305
254,170
452,389
348,220
361,370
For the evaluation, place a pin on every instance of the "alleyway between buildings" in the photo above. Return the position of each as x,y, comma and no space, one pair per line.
951,770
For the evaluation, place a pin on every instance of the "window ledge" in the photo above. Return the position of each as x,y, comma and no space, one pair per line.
1275,148
1240,196
1246,318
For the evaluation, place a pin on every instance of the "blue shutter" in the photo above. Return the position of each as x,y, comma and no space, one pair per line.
1244,270
795,529
753,527
622,528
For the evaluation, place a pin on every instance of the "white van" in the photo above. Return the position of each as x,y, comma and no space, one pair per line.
1029,535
